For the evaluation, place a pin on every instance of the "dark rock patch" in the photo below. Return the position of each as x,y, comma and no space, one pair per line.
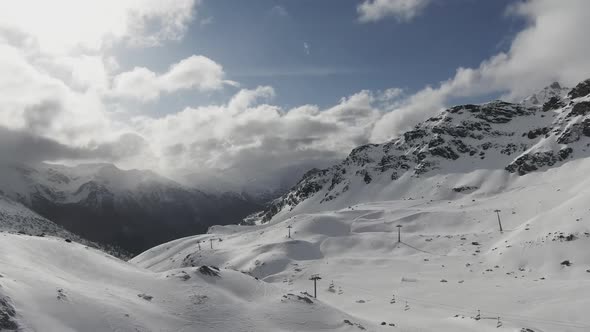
581,108
552,104
209,271
444,152
61,295
581,90
7,315
531,162
304,297
532,134
464,188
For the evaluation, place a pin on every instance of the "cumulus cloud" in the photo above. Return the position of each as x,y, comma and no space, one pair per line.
551,48
306,48
256,138
402,10
51,26
34,99
279,11
195,72
56,71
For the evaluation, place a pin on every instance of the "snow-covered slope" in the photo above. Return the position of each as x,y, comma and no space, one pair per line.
442,183
17,218
133,209
49,285
452,261
466,142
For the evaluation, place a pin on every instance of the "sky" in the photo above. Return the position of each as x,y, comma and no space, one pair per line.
235,93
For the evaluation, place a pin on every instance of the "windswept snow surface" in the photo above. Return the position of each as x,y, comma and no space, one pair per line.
452,261
56,286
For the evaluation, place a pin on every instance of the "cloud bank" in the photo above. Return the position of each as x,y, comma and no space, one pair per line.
64,98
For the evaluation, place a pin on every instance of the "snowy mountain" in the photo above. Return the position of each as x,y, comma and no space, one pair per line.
132,209
451,265
51,285
491,205
514,138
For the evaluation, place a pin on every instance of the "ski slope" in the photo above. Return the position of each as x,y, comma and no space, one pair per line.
56,286
452,260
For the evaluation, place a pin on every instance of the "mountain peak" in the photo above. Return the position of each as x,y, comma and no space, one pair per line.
555,86
539,98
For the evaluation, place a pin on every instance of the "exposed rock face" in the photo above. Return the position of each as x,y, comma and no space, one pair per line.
581,90
7,315
531,162
211,271
543,131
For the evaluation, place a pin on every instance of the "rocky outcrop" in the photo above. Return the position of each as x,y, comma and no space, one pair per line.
534,161
7,315
581,90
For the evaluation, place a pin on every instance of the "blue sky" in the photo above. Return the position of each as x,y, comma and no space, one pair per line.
262,43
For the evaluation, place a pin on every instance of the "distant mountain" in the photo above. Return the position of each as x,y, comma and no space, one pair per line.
546,130
133,209
262,185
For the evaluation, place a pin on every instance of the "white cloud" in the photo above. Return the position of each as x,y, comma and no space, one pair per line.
306,48
207,21
56,68
58,26
255,137
139,83
402,10
551,48
391,94
279,10
34,100
195,72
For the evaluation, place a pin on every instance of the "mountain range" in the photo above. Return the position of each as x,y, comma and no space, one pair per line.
130,209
